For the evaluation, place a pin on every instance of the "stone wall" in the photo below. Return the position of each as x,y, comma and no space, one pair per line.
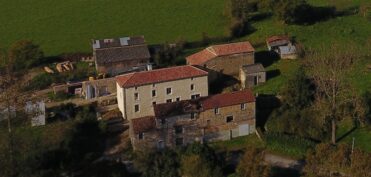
230,64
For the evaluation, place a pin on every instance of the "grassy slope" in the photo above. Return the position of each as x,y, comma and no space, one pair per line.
68,26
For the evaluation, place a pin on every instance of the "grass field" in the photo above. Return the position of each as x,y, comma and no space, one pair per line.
68,26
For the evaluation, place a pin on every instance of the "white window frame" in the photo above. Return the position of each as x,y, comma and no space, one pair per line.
216,111
137,98
226,118
152,93
171,90
243,106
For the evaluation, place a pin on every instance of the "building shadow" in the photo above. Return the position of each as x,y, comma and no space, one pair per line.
273,73
223,81
265,105
266,58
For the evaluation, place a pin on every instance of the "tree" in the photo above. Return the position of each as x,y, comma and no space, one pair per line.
157,164
328,69
251,164
25,54
195,166
296,116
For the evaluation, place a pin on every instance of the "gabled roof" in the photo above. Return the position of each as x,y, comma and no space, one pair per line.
228,99
159,75
277,38
204,103
219,50
143,124
254,68
120,49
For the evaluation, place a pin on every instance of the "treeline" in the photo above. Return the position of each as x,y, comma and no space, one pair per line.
64,148
327,160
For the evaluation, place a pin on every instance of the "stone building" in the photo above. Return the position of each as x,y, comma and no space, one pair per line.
206,119
120,55
97,88
138,92
251,75
224,59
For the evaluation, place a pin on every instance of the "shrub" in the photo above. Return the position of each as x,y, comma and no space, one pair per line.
25,54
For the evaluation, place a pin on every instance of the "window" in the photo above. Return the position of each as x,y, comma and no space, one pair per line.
153,103
136,96
192,87
193,115
178,129
179,141
169,100
243,106
136,88
229,119
168,91
163,121
141,136
216,110
136,108
195,96
153,93
153,85
178,99
191,78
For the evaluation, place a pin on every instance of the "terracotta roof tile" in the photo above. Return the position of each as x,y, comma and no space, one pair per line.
228,99
276,38
143,124
219,50
159,75
204,103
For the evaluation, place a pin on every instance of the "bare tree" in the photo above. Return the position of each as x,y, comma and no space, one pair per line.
12,100
334,94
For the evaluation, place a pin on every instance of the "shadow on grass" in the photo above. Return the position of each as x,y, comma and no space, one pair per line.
273,73
265,105
266,58
346,134
287,172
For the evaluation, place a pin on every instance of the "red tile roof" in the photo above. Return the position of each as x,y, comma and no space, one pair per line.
228,99
159,75
143,124
204,103
276,38
219,50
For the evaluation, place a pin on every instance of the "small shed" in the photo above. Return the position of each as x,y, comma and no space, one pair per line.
274,42
287,52
251,75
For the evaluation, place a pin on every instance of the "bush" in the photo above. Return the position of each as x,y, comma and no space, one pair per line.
288,144
25,54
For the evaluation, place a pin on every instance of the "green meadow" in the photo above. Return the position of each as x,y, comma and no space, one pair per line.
69,25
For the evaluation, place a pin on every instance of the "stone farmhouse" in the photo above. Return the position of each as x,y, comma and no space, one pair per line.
120,55
206,119
138,92
225,58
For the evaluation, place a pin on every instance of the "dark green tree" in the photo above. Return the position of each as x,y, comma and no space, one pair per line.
25,54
